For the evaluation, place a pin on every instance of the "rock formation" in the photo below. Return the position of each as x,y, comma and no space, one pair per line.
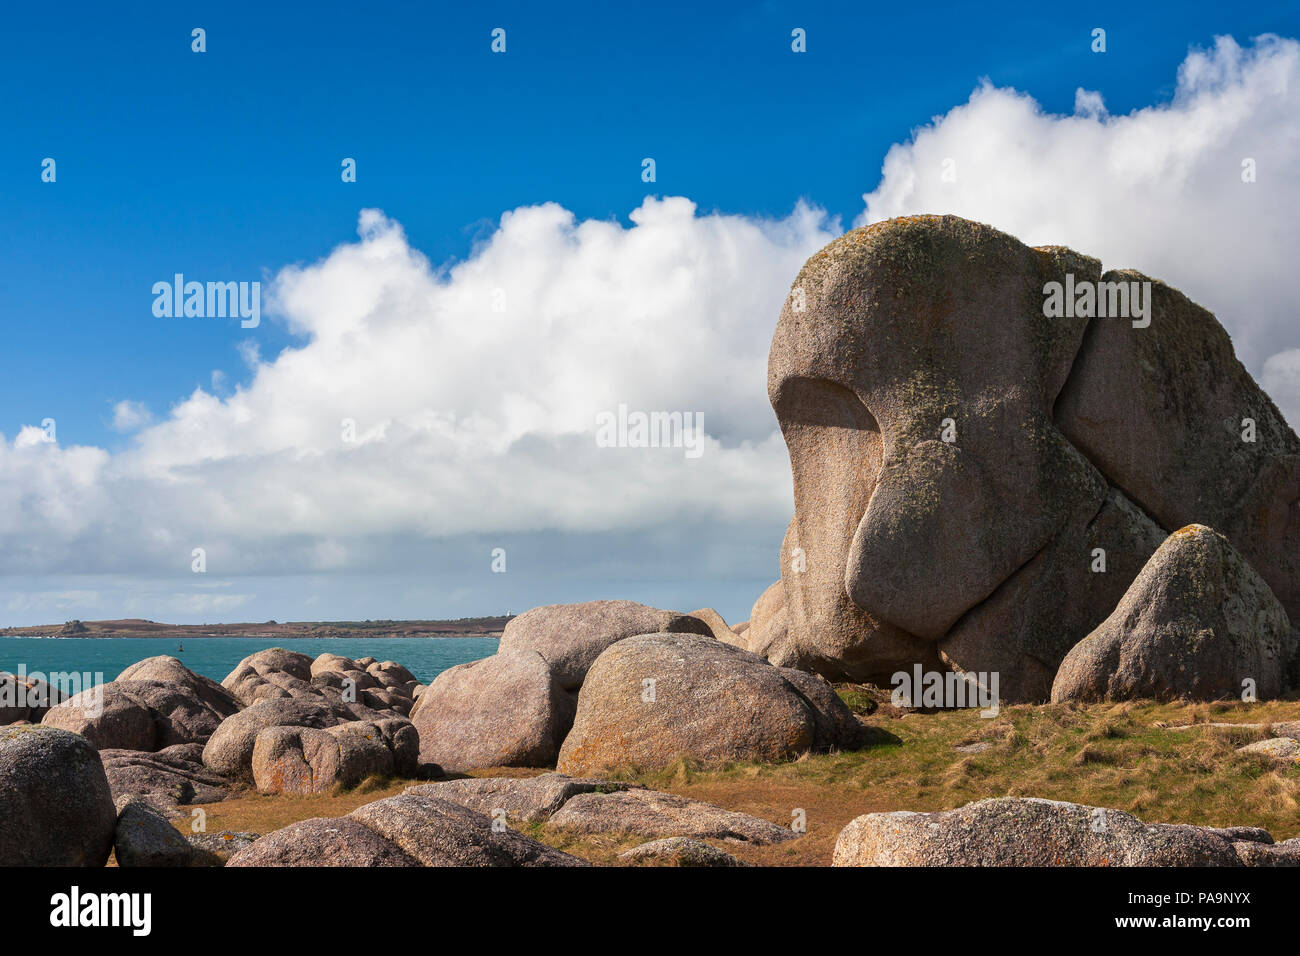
1197,623
964,465
652,699
1010,831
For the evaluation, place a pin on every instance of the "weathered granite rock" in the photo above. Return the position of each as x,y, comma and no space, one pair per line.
650,813
768,603
678,851
270,673
768,633
521,799
442,833
304,760
1161,412
716,624
144,837
571,636
1197,623
959,456
214,849
391,674
502,711
707,701
322,841
229,752
1282,749
1010,831
138,715
174,776
405,830
169,670
26,697
1286,853
56,808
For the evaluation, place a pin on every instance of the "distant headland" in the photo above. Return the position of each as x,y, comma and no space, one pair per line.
272,630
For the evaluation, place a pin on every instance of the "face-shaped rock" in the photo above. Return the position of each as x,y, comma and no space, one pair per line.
959,458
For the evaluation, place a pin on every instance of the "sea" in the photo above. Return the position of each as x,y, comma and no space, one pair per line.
106,657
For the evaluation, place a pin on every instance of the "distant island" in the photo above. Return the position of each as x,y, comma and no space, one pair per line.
271,630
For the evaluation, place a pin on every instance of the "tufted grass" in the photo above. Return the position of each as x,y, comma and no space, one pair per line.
1127,756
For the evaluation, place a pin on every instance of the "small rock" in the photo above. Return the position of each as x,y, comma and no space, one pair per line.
144,837
214,849
678,851
1285,749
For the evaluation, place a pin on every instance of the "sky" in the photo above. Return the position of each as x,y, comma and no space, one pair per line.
500,273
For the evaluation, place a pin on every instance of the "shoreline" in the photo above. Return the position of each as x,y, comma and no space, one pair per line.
433,635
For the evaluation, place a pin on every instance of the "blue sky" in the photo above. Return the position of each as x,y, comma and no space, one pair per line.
225,165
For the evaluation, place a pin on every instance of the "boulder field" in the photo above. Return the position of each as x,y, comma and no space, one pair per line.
1088,505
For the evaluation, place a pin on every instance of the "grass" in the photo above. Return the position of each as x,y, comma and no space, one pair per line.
1125,756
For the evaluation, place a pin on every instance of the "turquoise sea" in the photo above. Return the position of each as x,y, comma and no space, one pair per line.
215,657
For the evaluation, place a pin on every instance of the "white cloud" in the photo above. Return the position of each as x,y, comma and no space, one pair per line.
472,389
471,393
1159,189
129,415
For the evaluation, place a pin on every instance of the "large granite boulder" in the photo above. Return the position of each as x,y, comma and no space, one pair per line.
393,675
507,710
1197,623
652,699
305,760
229,752
518,799
406,830
961,459
56,808
270,673
322,841
277,674
1009,831
172,777
572,636
169,670
677,851
140,715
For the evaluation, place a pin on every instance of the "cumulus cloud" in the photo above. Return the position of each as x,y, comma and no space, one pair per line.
459,403
1160,189
434,402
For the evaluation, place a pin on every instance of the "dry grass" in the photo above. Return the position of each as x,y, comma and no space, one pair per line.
1124,756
